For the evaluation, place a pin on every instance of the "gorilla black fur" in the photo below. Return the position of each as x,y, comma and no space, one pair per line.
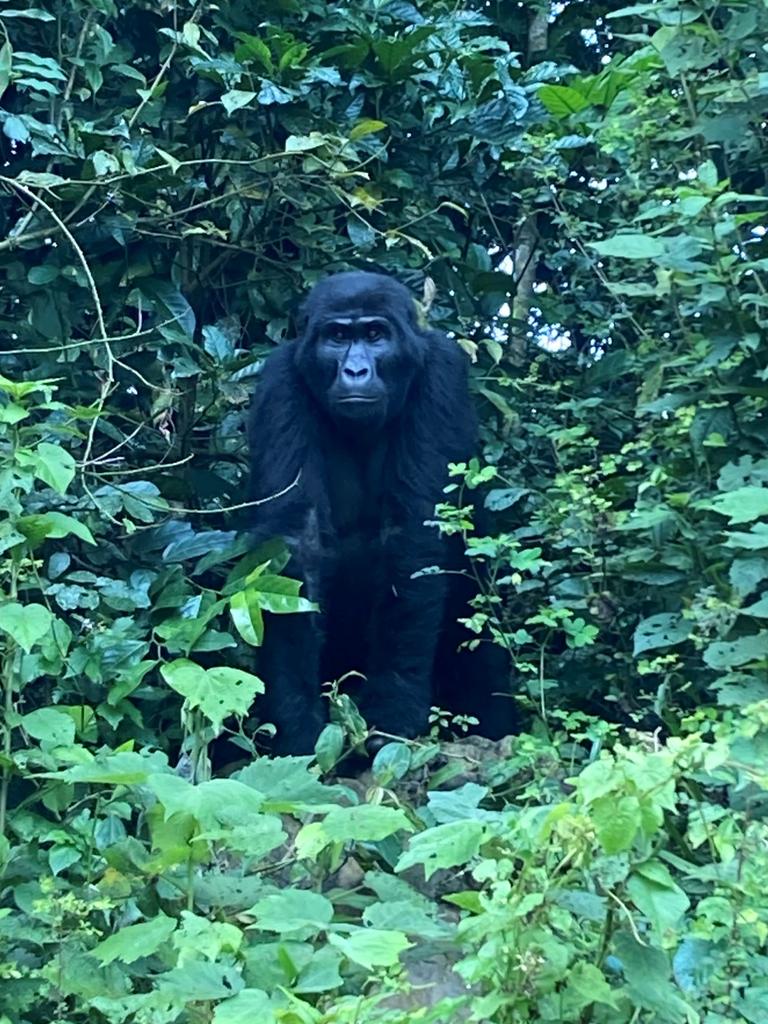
367,408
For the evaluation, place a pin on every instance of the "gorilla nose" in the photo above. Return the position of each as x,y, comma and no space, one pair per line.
356,374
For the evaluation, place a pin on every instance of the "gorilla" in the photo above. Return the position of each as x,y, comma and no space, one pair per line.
367,408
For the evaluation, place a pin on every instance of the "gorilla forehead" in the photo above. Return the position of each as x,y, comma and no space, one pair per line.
360,293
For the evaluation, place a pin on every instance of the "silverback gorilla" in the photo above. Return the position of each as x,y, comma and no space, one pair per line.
367,408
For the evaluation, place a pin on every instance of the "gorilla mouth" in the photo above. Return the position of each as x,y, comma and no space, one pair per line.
359,398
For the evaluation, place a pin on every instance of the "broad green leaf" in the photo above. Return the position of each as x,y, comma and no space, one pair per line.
55,466
212,803
371,947
617,821
445,846
501,498
135,941
391,762
663,630
118,768
217,692
236,98
53,728
43,275
305,143
253,48
754,540
53,525
364,823
630,247
742,505
586,984
656,895
732,653
198,981
288,782
257,836
562,100
249,1006
279,594
293,910
172,162
26,624
405,916
758,610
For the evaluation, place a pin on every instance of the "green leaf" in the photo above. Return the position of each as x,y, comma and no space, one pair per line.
392,762
562,100
136,941
43,275
270,93
26,624
586,985
656,895
293,910
14,128
361,234
364,823
253,48
371,947
104,163
278,594
329,746
55,466
217,692
33,13
754,540
617,821
742,505
305,143
732,653
630,247
501,498
212,803
663,630
249,1006
53,728
237,98
445,846
6,59
118,768
758,610
405,916
366,127
52,525
245,612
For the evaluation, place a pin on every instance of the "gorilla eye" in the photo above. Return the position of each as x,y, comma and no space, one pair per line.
338,332
374,332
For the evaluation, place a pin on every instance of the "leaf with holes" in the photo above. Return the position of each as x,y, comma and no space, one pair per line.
732,653
664,630
217,692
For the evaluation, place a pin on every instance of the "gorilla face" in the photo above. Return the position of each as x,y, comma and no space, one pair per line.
360,348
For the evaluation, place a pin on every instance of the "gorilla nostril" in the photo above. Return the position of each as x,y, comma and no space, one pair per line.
360,374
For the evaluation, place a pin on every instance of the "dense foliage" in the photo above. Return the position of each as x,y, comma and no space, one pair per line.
581,199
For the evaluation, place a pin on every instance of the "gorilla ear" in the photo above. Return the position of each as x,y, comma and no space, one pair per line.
301,319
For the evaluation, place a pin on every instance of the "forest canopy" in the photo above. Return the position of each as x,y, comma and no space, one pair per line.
575,193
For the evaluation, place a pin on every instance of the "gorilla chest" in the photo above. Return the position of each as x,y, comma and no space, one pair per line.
356,494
